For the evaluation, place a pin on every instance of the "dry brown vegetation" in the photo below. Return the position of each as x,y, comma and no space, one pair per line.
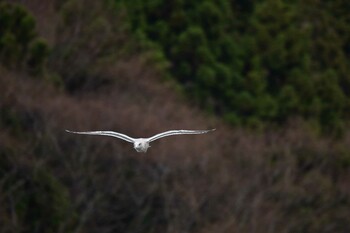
231,180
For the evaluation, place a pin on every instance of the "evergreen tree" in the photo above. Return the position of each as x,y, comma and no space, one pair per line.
262,60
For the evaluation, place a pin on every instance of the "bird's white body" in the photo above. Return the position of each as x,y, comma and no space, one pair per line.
142,144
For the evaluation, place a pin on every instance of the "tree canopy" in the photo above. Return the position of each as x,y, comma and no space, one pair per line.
254,62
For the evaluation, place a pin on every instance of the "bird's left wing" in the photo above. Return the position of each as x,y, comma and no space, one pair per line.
107,133
177,132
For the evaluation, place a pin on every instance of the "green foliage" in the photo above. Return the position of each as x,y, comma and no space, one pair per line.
289,101
273,51
39,52
20,46
34,196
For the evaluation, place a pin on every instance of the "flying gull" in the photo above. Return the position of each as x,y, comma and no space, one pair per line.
142,144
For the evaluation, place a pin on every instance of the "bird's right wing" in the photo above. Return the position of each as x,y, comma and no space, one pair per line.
106,133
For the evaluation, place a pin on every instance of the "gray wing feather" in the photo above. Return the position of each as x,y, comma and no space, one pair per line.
177,132
106,133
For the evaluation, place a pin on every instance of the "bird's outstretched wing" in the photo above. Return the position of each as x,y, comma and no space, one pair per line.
177,132
106,133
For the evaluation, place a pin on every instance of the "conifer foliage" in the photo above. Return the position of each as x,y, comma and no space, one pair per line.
20,46
256,62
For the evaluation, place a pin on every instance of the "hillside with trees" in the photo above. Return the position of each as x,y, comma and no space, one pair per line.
271,76
254,62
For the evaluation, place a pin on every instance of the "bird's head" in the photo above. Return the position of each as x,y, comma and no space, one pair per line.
141,145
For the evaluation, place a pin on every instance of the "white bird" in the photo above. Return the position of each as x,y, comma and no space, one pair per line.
142,144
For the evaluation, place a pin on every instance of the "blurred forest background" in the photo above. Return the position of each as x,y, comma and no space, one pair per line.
272,76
